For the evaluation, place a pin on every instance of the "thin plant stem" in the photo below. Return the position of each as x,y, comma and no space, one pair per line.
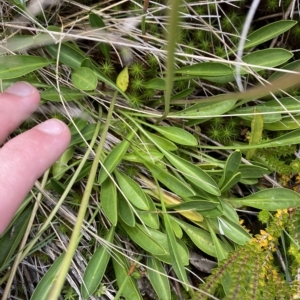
172,39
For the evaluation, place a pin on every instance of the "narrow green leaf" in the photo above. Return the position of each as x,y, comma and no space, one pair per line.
13,66
109,200
286,123
176,135
86,134
114,157
205,69
171,182
139,155
45,285
176,228
125,211
231,182
269,199
205,110
233,231
246,113
162,142
84,79
150,218
67,94
121,267
176,259
132,191
290,138
155,84
257,126
290,66
97,22
140,236
193,173
68,55
231,166
96,267
162,239
200,237
61,165
252,171
221,253
271,57
198,205
268,32
182,94
159,281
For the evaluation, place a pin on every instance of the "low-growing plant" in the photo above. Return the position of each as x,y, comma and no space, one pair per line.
168,153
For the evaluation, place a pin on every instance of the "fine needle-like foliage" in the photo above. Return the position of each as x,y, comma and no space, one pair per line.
181,180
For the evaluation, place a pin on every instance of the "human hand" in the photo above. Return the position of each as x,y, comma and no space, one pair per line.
26,157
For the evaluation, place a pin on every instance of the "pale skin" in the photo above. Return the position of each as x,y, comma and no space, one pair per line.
27,156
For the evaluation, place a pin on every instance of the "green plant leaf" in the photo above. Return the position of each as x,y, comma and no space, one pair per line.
140,236
13,66
61,165
205,110
85,134
176,259
286,123
84,79
269,199
155,84
176,135
176,228
45,285
125,211
231,166
221,253
121,267
182,94
159,281
150,218
171,182
246,113
252,171
67,94
138,156
200,237
97,22
114,157
193,173
68,55
205,69
266,58
290,66
132,191
232,230
162,239
257,126
194,203
231,182
162,142
96,267
109,200
268,32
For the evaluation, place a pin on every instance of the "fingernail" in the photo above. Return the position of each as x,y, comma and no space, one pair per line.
21,88
52,127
